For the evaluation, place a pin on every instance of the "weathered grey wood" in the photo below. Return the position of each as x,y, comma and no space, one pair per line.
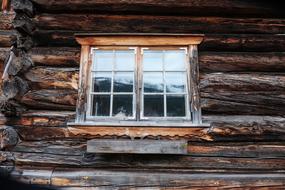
76,147
23,24
146,179
23,6
137,146
8,137
144,161
224,128
194,85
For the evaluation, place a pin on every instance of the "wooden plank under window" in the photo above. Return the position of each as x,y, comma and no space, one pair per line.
137,146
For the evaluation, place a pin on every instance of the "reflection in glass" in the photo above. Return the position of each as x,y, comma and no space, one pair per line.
175,82
175,106
100,105
152,60
153,81
153,106
123,81
123,105
102,81
174,60
103,60
125,60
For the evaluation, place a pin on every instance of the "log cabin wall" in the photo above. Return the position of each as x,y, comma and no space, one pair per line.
242,83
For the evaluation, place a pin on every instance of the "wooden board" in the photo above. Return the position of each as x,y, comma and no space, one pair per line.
137,146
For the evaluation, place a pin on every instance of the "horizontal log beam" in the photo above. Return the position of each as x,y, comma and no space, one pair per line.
210,149
144,161
220,92
184,7
240,61
158,24
51,77
211,42
6,20
208,61
42,125
88,178
51,99
7,38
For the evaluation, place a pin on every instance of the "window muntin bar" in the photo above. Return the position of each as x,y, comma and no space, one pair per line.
163,83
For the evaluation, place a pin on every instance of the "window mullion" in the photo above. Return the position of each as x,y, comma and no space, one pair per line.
139,83
112,84
164,85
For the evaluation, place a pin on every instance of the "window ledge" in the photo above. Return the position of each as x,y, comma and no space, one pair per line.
140,124
141,130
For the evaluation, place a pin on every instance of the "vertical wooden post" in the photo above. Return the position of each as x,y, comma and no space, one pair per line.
83,84
194,85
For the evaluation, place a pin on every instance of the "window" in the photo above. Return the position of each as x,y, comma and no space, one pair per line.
139,78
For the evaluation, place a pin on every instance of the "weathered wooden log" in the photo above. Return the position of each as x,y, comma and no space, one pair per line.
23,24
145,161
208,61
8,137
158,24
242,82
56,56
42,118
7,38
235,102
212,149
4,53
51,99
40,126
52,77
79,179
230,61
6,20
23,6
196,7
211,42
221,92
24,42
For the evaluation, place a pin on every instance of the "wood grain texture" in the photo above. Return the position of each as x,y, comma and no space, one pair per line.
184,7
6,20
158,24
7,38
144,161
51,125
209,61
74,179
211,42
170,147
212,149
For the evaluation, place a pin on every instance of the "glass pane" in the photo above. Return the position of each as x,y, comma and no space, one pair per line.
153,81
175,82
123,81
103,60
175,106
175,60
102,81
152,60
153,106
101,105
123,105
125,60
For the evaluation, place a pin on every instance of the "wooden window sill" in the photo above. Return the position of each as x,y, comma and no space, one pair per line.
140,130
